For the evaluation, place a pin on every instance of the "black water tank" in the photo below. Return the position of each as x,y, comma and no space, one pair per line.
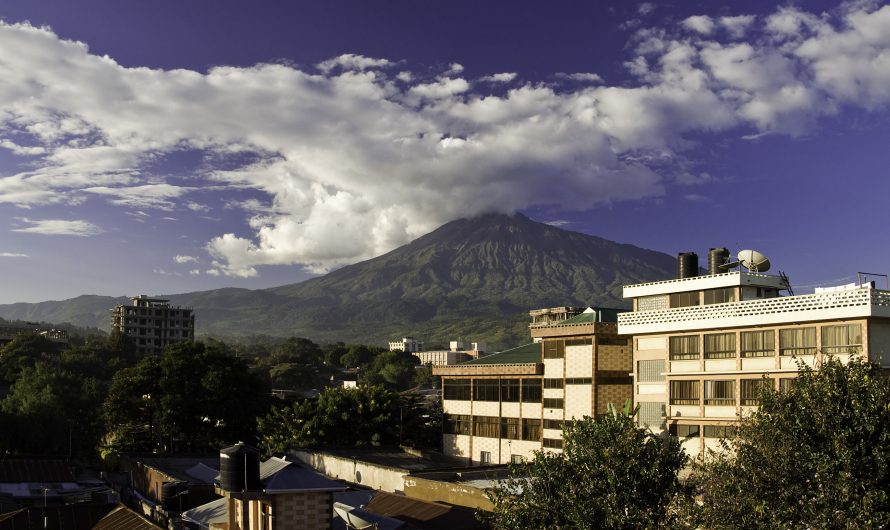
171,495
687,265
717,257
239,468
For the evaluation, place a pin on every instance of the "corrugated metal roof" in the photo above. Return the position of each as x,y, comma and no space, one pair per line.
123,518
525,354
31,470
422,514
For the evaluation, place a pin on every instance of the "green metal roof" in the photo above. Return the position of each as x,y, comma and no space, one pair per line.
604,314
528,353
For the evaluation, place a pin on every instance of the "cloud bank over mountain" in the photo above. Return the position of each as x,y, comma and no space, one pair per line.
357,155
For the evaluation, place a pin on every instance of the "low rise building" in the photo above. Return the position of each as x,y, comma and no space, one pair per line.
502,407
703,345
153,324
457,352
407,344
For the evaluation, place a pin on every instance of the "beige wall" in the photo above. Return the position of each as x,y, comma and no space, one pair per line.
370,475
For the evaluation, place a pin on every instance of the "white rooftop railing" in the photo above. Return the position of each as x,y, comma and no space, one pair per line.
840,304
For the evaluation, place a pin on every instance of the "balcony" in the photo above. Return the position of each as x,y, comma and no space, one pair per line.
856,303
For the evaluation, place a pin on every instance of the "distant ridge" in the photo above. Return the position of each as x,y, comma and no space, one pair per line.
476,278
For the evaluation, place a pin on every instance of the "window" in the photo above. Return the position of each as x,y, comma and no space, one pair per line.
684,348
510,390
651,414
553,424
750,390
510,428
531,430
684,393
650,371
517,459
684,431
553,443
758,343
458,389
719,345
652,303
719,296
485,457
553,403
531,390
579,342
611,341
785,384
684,299
842,339
719,431
457,424
553,382
720,393
800,341
554,349
486,426
486,390
579,381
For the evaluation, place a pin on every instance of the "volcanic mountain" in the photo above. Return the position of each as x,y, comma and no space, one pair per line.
474,278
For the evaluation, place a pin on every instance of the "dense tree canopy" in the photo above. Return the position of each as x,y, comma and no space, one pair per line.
814,456
191,398
611,474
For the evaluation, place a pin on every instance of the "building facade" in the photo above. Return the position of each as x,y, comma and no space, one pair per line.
153,324
502,407
703,345
458,352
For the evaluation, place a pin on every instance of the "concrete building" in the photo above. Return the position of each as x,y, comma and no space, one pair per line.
458,352
153,324
502,407
407,344
8,333
702,345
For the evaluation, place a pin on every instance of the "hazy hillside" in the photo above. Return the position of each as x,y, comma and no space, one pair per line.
476,278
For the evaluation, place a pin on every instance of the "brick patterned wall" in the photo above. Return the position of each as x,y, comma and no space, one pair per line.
616,394
302,511
610,357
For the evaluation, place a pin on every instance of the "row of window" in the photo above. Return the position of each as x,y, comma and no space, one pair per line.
846,338
528,429
721,392
556,349
508,390
709,431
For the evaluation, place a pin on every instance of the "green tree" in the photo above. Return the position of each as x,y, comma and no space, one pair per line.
396,370
25,351
366,415
814,456
611,474
191,398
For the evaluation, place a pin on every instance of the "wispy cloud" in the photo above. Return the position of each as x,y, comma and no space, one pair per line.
185,259
12,255
58,227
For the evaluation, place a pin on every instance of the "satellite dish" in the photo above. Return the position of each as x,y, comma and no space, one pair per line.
753,261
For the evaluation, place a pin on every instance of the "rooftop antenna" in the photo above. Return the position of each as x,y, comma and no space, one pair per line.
863,278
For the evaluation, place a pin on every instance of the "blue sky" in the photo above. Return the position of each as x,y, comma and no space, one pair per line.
171,146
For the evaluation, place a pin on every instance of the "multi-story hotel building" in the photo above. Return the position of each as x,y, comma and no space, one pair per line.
702,345
153,324
502,407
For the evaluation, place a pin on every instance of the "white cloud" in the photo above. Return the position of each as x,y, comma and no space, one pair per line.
737,26
700,23
146,196
21,150
354,158
585,77
12,255
179,258
58,227
349,61
646,8
558,223
195,272
503,77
